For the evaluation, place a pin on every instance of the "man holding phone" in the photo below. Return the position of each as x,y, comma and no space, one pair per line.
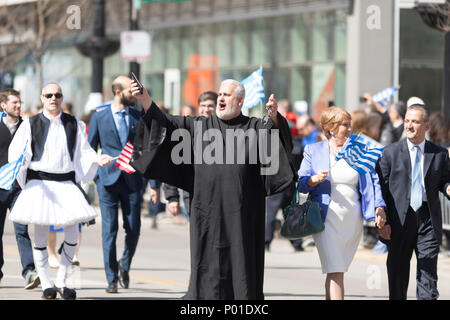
111,129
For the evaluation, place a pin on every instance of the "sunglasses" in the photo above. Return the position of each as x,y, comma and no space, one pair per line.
50,95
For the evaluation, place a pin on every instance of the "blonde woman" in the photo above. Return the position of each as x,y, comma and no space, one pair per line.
345,198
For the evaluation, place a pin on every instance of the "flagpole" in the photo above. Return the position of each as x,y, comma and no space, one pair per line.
261,105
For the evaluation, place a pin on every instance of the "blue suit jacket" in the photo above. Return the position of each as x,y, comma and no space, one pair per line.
317,157
103,133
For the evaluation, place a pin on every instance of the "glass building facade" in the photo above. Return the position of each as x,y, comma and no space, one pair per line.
301,45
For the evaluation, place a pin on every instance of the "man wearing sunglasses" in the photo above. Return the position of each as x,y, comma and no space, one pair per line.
57,156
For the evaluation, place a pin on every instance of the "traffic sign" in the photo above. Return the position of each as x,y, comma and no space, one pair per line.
135,46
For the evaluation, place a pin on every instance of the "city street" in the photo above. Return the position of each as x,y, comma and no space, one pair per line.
160,269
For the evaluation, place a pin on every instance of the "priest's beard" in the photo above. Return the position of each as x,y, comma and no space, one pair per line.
228,114
126,102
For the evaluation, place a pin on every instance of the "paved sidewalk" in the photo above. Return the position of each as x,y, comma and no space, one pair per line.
160,269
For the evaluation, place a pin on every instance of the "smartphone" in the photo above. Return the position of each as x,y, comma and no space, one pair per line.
141,88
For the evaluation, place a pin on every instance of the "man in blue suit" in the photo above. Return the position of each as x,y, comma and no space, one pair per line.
110,129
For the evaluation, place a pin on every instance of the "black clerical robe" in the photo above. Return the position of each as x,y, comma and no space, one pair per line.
227,219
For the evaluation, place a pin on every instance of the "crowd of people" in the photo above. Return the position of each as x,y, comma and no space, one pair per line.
229,232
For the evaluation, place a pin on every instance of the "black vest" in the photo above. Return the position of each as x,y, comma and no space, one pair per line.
5,141
39,131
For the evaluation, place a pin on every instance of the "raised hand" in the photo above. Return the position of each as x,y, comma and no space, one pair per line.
144,97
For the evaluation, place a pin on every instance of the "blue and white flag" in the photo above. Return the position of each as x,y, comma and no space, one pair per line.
369,142
383,97
254,89
2,114
358,155
9,171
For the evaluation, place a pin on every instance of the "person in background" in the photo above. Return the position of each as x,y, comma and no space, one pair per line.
187,110
397,115
439,134
275,202
379,122
307,128
10,103
207,102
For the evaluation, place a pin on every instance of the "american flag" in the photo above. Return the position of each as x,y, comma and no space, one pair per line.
123,161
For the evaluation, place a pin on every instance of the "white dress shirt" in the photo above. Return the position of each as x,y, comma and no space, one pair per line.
412,156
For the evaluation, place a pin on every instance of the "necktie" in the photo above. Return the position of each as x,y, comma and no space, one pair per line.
123,128
416,183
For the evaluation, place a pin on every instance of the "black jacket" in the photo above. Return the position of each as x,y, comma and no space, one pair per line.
394,170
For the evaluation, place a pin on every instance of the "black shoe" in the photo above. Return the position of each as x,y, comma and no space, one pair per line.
67,293
49,294
124,278
112,287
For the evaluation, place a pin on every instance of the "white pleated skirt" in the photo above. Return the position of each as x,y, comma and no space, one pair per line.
57,203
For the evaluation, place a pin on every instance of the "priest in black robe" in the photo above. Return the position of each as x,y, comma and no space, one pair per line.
227,220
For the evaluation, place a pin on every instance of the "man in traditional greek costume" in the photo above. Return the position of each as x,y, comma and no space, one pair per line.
57,156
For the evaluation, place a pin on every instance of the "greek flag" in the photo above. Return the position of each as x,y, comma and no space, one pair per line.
9,172
369,142
254,89
358,155
383,97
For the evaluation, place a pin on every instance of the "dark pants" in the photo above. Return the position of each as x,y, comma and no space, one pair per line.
273,203
415,235
7,200
130,202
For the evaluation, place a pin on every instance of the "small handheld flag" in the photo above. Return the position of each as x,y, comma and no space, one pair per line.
358,155
9,171
123,161
254,89
384,96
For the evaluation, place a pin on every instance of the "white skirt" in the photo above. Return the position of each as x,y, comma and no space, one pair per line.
57,203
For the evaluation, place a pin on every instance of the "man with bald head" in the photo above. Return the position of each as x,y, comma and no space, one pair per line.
111,128
57,157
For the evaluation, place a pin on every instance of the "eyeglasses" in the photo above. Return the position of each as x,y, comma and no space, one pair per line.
50,95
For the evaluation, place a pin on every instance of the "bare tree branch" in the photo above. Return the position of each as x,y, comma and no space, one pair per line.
32,27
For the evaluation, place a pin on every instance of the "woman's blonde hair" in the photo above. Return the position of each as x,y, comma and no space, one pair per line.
331,118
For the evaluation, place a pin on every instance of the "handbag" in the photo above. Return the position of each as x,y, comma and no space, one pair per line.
301,220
